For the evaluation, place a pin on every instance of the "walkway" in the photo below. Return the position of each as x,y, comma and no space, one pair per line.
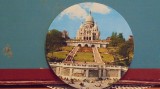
71,55
97,56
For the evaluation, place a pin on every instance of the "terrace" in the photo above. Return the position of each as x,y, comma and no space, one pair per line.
84,54
60,55
105,55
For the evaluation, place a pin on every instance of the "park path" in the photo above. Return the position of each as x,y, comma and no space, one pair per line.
97,57
71,55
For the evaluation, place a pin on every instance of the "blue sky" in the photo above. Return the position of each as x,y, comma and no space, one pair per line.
107,19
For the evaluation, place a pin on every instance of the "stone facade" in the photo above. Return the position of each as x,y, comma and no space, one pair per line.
98,44
88,35
83,71
88,30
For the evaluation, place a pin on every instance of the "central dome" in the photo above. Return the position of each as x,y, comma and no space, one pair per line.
89,18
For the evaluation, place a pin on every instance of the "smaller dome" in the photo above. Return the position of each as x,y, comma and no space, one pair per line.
89,19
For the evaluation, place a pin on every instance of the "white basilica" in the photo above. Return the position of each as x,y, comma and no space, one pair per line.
88,30
88,35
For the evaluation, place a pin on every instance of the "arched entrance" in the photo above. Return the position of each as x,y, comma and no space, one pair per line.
86,45
79,45
92,45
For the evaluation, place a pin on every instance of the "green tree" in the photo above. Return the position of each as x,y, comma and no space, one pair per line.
130,42
116,39
54,40
120,38
125,49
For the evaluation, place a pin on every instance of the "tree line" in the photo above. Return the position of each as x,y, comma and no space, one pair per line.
54,41
124,48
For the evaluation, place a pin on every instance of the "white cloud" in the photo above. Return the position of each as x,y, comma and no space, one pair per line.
74,12
100,8
96,7
79,11
86,5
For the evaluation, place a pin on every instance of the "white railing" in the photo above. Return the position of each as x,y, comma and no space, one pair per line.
88,66
101,42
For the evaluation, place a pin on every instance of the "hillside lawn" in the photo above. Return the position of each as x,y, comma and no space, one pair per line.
102,50
67,48
107,57
84,56
59,55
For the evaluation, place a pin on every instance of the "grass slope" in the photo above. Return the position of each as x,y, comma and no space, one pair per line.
84,56
59,55
67,48
106,57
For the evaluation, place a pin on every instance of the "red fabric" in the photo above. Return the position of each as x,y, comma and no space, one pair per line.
142,75
31,75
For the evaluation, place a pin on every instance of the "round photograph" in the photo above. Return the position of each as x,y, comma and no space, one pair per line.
89,46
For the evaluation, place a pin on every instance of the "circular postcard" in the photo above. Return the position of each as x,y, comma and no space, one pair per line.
89,46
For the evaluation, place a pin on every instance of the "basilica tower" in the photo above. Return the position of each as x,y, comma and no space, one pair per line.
88,30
